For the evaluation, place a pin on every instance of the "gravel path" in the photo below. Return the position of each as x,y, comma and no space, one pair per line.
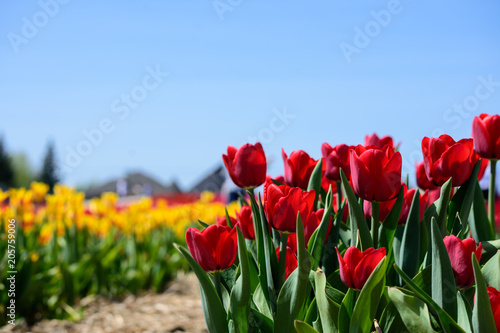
178,309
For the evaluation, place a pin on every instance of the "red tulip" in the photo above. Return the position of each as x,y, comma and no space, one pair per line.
460,253
246,165
444,159
486,135
495,305
280,179
245,222
336,158
221,220
497,215
310,227
291,260
356,266
214,248
375,140
376,173
422,181
298,168
282,203
327,183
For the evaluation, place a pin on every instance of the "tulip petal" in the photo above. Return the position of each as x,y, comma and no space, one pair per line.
455,163
226,249
460,260
482,139
201,249
370,260
345,272
248,167
362,180
390,182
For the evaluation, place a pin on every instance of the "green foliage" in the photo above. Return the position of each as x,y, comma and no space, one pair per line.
52,278
23,171
6,171
49,173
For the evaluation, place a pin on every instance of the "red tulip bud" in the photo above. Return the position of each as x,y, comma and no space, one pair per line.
247,165
460,253
214,248
356,266
495,305
376,173
298,168
486,135
245,222
444,159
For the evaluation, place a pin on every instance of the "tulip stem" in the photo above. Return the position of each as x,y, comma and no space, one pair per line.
339,195
282,259
375,222
491,195
217,284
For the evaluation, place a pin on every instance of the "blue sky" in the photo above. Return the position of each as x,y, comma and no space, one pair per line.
291,74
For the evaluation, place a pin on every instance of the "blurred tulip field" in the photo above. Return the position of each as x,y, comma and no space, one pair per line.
68,248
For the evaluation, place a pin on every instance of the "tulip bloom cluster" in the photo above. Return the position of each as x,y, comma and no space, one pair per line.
297,259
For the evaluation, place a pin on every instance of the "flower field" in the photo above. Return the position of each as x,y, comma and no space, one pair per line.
343,244
68,248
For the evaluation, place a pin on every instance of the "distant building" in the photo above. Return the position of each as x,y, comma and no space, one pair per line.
135,183
211,182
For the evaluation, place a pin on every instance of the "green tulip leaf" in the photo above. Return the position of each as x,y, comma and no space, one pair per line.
213,311
264,255
260,322
203,224
439,209
490,248
367,302
294,290
424,279
491,271
329,258
335,282
260,302
346,308
478,221
240,294
357,217
345,234
413,311
390,320
447,322
461,202
312,312
228,220
409,254
333,294
443,280
302,327
328,310
317,240
463,315
482,315
388,227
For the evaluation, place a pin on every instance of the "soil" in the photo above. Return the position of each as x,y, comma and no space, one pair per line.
178,309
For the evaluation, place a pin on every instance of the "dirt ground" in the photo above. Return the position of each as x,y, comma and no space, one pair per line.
178,309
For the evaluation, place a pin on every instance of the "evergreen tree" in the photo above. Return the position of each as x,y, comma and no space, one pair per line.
49,174
23,172
6,171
